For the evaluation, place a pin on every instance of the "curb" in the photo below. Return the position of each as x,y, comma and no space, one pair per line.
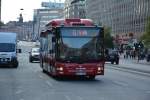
142,63
135,61
133,69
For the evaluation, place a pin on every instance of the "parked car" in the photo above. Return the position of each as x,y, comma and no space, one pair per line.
112,56
148,57
34,54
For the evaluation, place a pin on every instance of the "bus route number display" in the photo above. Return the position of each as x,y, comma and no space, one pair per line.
79,33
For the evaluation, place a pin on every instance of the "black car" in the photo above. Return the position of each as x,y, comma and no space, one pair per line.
34,54
112,56
148,57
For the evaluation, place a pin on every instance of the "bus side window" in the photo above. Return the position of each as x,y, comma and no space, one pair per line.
50,43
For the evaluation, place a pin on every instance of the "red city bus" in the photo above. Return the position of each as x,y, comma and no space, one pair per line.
72,47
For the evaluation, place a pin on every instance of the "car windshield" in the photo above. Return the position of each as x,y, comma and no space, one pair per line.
7,47
35,50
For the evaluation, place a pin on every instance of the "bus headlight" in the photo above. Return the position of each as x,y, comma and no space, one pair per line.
99,69
61,68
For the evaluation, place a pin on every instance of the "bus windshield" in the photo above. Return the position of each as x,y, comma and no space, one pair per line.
7,47
80,44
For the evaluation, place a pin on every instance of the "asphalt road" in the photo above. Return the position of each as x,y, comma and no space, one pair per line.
28,82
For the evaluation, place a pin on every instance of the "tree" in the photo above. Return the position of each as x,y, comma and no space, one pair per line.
146,36
108,39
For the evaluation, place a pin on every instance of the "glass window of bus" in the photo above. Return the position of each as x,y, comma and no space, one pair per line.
80,44
50,46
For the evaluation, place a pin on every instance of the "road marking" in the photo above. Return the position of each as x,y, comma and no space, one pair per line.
67,97
120,83
148,92
80,98
129,70
49,83
41,76
19,91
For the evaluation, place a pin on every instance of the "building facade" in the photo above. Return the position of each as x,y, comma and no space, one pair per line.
52,5
67,8
0,9
44,15
24,30
74,9
123,16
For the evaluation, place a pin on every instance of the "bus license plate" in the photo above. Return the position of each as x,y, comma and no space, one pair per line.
80,72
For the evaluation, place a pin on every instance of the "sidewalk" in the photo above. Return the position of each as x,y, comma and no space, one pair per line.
131,64
143,62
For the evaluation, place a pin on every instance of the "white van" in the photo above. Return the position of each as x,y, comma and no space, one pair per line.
8,49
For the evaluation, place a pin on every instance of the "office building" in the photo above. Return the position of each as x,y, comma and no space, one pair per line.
74,9
24,30
0,10
44,15
123,16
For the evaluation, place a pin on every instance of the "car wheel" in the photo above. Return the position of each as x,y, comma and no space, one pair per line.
112,62
117,62
15,65
30,60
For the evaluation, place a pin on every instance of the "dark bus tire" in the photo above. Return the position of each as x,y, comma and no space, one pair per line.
44,71
91,77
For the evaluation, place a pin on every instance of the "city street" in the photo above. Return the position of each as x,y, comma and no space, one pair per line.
28,82
75,49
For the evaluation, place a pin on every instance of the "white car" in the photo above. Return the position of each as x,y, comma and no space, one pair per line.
34,54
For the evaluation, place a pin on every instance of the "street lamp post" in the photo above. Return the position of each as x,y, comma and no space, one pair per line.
21,23
39,27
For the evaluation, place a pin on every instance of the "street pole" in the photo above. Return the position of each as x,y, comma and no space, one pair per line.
32,36
39,27
21,23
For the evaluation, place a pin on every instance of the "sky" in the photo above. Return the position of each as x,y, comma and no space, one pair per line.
11,9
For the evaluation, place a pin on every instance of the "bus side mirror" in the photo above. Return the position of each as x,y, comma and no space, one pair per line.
53,39
18,50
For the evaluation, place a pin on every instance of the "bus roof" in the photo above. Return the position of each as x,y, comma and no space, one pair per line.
70,22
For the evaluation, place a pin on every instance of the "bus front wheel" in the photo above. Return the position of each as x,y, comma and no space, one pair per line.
91,77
